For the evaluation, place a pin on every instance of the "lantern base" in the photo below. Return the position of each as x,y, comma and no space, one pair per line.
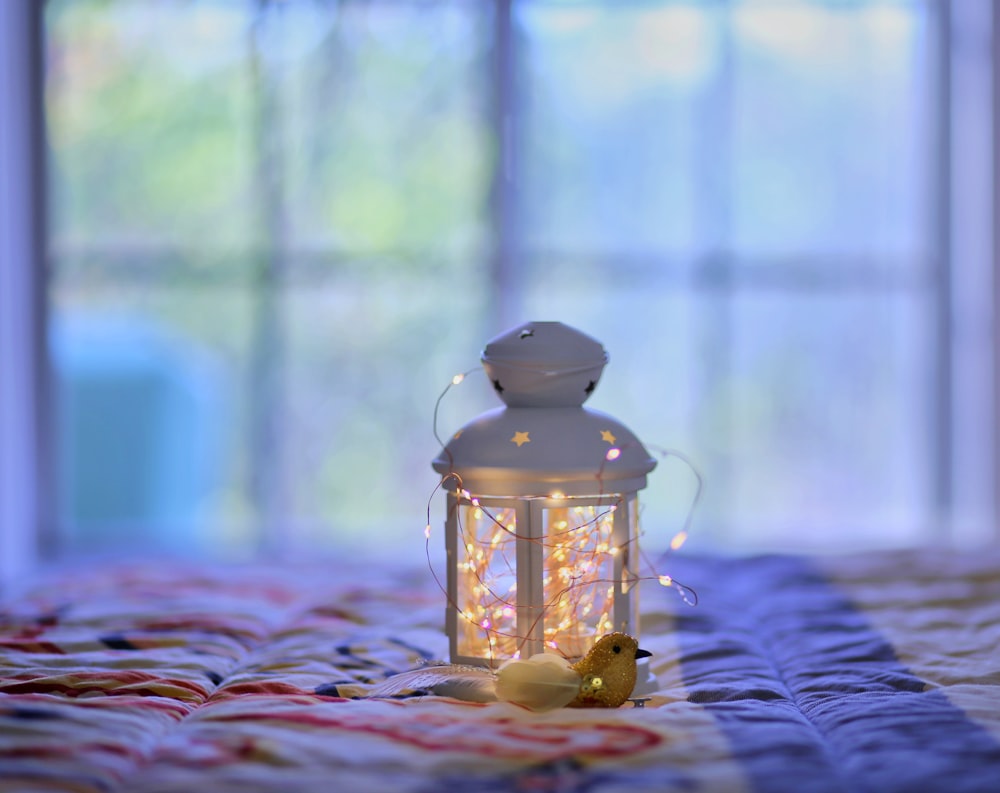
645,680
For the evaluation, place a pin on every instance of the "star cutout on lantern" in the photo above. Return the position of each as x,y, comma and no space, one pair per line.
607,436
520,438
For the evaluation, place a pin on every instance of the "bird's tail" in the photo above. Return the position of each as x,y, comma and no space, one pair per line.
541,682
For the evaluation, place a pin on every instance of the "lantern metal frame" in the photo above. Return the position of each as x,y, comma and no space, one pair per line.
544,451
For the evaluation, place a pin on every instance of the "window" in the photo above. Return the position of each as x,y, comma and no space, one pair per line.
278,228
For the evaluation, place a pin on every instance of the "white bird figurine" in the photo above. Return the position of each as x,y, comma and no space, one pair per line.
603,678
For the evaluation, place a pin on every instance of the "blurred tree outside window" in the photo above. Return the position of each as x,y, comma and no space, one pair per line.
279,228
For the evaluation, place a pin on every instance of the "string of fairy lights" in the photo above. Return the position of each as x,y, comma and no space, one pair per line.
579,548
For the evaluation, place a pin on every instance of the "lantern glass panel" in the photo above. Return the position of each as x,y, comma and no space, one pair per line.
627,609
486,595
579,575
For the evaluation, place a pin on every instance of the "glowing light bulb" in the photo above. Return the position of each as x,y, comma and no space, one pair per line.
666,580
613,454
427,531
457,379
678,540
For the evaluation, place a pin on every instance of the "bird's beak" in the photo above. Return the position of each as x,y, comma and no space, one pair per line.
640,653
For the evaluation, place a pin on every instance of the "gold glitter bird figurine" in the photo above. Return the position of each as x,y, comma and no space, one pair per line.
603,678
608,672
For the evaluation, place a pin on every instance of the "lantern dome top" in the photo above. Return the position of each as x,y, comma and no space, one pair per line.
545,441
544,364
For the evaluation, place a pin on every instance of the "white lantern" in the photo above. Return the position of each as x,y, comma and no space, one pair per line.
542,521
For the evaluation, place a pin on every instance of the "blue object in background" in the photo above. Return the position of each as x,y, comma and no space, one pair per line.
139,445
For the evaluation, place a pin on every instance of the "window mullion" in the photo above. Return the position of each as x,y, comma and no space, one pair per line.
505,112
268,349
26,524
714,262
995,241
940,243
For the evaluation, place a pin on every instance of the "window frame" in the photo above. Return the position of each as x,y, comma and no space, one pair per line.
26,471
25,426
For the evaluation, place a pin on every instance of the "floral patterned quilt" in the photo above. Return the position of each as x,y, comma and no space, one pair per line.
878,672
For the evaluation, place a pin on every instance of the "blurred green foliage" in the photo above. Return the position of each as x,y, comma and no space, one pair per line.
732,197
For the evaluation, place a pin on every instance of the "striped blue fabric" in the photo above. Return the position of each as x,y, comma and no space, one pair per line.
810,696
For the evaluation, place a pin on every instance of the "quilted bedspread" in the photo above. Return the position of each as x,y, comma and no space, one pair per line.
865,673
